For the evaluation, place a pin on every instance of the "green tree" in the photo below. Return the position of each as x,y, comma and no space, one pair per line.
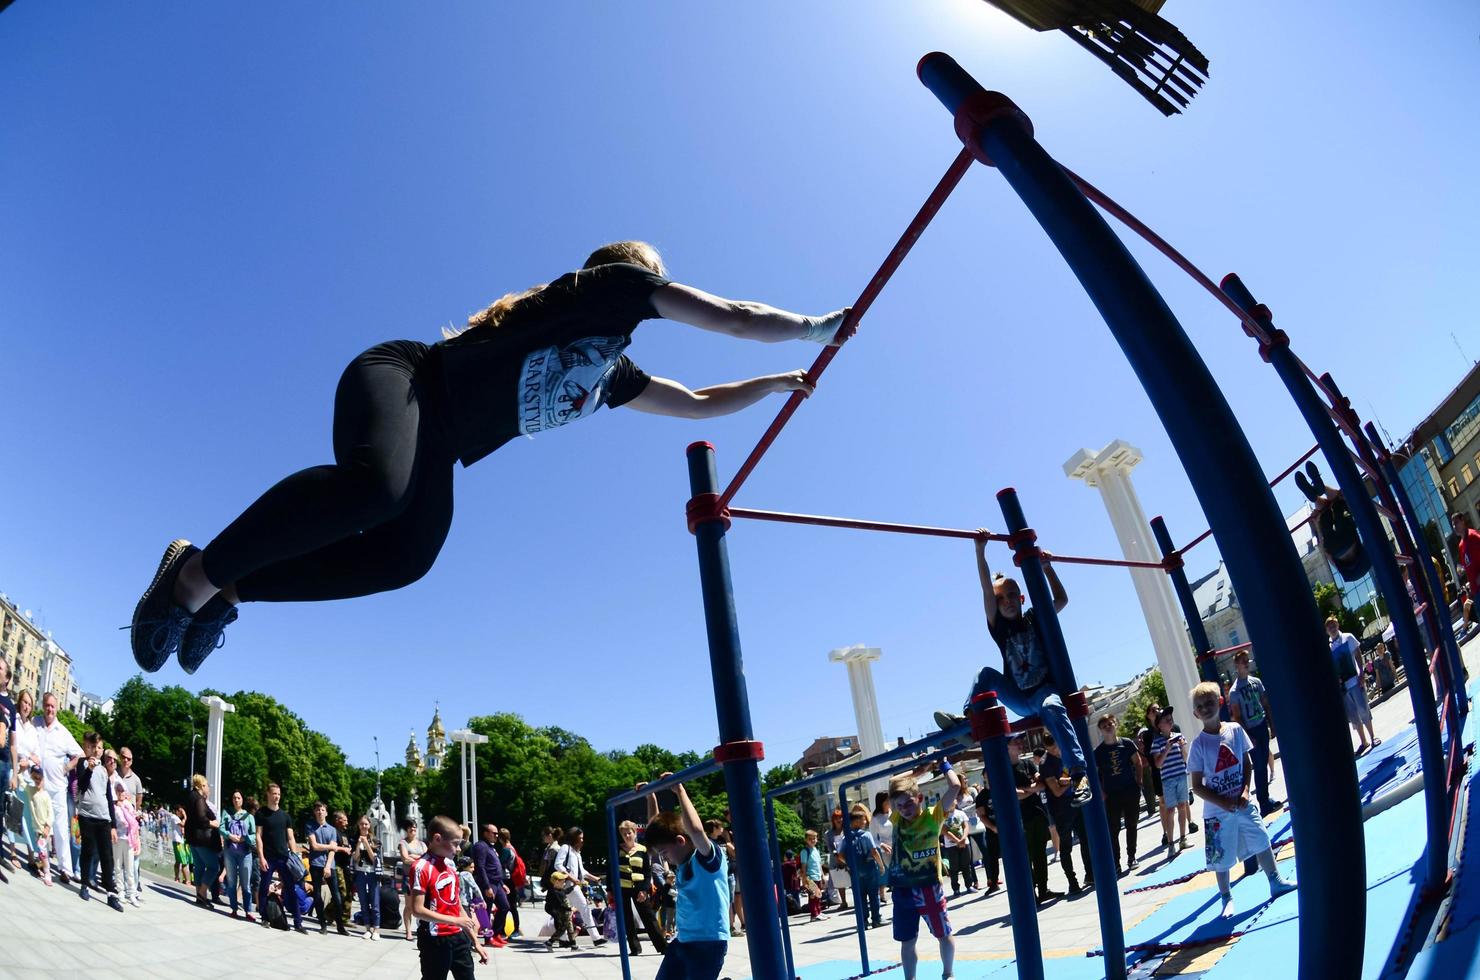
1153,690
73,724
1328,601
285,744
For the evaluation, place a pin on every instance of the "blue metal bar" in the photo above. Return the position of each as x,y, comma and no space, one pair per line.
693,772
780,879
860,915
1022,904
616,889
1438,606
1251,531
1430,589
1206,669
1389,581
1061,669
905,751
732,706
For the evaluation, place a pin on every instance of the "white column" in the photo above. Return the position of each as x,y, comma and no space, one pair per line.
467,772
859,660
1109,470
214,725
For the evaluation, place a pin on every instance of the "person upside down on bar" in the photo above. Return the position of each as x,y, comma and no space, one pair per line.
406,412
1028,687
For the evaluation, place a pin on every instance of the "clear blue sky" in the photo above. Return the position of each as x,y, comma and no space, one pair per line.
208,209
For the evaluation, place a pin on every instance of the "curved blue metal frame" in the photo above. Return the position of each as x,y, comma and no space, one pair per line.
1389,580
1251,532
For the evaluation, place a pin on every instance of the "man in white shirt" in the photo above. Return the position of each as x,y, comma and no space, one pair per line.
59,755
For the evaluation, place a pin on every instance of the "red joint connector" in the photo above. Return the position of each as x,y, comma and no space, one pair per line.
1172,562
1277,338
1026,536
988,722
706,507
980,108
742,751
1077,704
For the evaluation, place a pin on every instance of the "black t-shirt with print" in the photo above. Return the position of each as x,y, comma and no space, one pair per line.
1117,764
1024,659
556,357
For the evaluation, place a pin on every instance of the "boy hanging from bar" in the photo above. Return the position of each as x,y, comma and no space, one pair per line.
701,873
914,870
1028,686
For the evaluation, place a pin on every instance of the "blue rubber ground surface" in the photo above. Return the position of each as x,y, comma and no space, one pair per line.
1057,968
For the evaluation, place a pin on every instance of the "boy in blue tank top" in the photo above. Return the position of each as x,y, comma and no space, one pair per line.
703,884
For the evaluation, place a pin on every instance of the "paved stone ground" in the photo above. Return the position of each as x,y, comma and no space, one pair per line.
49,932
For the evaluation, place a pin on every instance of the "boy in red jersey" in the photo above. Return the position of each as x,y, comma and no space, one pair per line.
445,938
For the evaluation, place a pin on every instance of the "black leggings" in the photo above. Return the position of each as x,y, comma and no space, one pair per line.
371,522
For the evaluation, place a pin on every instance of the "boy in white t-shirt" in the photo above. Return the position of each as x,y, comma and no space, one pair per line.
1220,768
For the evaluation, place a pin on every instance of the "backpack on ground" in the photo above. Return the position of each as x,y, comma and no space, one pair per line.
273,914
390,907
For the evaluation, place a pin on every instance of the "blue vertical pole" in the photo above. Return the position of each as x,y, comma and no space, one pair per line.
859,913
616,889
1207,668
1438,607
989,726
780,883
1096,823
737,749
1389,580
1228,481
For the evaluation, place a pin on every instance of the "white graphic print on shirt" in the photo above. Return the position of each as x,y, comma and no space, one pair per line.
1220,759
561,384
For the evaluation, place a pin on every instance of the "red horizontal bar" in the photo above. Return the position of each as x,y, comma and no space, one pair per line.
857,525
1295,465
892,261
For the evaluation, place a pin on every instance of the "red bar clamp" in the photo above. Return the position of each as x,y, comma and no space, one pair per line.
1077,705
706,507
988,718
980,108
739,752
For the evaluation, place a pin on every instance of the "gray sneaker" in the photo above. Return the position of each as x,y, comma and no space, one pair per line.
205,633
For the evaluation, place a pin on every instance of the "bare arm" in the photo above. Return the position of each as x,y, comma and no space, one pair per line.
954,786
1060,597
665,397
1268,713
984,572
693,827
736,318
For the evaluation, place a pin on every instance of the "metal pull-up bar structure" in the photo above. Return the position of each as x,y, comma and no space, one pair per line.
1242,513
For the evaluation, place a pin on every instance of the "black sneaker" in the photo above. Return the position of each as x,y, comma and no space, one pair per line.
206,633
114,903
1081,791
158,623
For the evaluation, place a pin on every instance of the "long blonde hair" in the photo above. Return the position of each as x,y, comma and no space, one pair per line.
489,318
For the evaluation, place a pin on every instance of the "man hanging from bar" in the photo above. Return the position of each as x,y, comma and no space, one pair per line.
1334,525
1028,687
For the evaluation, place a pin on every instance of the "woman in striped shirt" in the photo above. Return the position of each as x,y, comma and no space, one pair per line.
638,893
1169,752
